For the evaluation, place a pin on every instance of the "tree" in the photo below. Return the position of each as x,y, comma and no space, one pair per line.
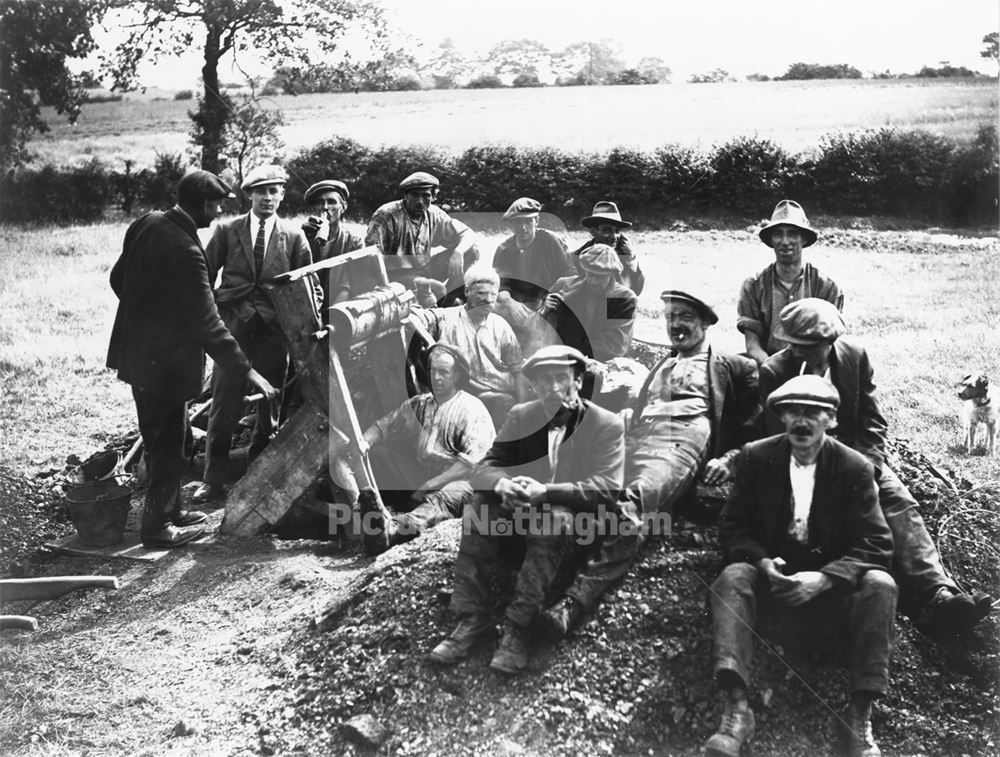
588,63
992,49
250,135
803,71
715,76
653,70
36,39
299,30
518,57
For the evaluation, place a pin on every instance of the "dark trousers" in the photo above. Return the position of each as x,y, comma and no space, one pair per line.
545,550
166,439
264,346
869,610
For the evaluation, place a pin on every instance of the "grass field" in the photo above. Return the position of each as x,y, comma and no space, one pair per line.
793,114
927,306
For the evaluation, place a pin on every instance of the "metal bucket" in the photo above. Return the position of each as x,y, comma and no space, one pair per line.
99,510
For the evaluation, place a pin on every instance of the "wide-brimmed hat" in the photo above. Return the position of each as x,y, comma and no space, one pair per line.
419,180
203,185
811,390
605,212
809,321
788,213
523,207
327,185
600,258
554,355
262,176
702,307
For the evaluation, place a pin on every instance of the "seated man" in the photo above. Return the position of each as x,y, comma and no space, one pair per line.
426,450
406,231
804,536
697,403
327,236
813,328
605,225
556,457
787,279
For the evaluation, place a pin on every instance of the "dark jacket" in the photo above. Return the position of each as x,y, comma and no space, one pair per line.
597,324
591,460
634,281
734,402
529,275
848,534
167,319
860,424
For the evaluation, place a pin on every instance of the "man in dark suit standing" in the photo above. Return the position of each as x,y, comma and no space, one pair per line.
557,462
166,322
803,534
250,251
814,330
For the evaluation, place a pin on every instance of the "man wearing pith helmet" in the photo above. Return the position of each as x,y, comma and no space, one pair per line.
696,408
805,539
328,236
606,225
408,230
785,280
813,329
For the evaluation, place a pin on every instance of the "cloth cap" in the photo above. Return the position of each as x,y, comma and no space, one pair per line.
805,390
600,258
419,180
788,213
261,176
203,185
460,361
554,355
709,315
327,185
809,321
523,207
605,212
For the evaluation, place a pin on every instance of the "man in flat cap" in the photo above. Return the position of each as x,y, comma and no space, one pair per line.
166,321
805,540
557,459
407,231
787,279
697,407
327,236
424,452
813,329
605,225
249,250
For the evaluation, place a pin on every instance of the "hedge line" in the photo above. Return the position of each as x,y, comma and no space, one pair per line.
907,174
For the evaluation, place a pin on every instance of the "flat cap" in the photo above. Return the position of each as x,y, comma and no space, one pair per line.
600,258
327,185
203,185
523,207
676,295
262,176
809,321
419,180
805,390
556,355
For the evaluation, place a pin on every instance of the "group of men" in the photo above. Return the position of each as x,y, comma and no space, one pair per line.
523,449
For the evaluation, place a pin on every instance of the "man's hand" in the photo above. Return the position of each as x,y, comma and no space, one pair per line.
456,267
261,384
758,355
534,490
511,494
552,302
796,589
716,471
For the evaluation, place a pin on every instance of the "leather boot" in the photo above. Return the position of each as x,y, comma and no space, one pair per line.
457,646
560,619
512,656
860,739
737,728
374,517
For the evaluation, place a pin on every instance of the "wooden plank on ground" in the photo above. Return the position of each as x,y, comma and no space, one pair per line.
130,548
50,587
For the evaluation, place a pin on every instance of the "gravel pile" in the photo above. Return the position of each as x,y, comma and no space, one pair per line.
32,511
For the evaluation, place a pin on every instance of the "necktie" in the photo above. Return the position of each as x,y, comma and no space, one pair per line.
258,251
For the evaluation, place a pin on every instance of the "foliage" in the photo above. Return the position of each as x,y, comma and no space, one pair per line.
714,76
101,97
36,39
588,63
758,77
748,173
387,72
251,135
485,81
50,195
526,80
803,71
945,70
991,51
183,94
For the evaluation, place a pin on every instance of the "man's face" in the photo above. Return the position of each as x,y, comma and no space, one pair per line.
329,204
813,355
264,201
597,282
555,385
209,211
805,424
417,201
444,376
605,233
787,244
524,230
685,326
482,295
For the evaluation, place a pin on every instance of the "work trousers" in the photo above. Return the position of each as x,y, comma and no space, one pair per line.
662,459
166,439
916,564
869,610
547,544
264,346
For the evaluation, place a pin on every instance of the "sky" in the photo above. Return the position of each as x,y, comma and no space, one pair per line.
695,36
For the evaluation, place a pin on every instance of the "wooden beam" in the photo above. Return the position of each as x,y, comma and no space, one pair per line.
293,302
24,622
17,589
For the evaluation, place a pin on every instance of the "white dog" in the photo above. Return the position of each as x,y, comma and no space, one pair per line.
978,409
